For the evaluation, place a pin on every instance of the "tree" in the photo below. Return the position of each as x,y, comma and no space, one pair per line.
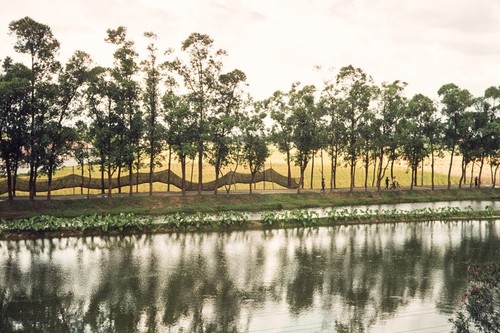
14,99
222,122
281,130
424,111
200,73
413,139
455,102
153,128
36,40
480,303
391,108
255,150
126,100
60,136
182,129
105,132
491,142
330,103
306,126
81,152
355,90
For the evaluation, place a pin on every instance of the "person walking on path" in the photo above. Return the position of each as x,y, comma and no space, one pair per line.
322,184
386,182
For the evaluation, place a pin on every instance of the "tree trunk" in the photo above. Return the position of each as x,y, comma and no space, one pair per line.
137,179
90,179
392,169
200,167
332,171
367,166
322,166
9,181
14,178
471,178
102,179
422,174
192,172
451,164
118,179
432,167
352,174
217,170
251,179
462,173
480,171
183,175
49,184
110,185
380,175
494,175
312,169
374,171
82,175
411,182
31,182
130,178
289,169
169,167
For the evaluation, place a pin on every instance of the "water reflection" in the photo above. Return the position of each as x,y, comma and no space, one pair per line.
376,278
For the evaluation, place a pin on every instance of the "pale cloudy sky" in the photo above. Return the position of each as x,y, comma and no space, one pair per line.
426,43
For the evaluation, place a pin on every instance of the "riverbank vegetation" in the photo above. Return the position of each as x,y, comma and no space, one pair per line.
187,106
44,225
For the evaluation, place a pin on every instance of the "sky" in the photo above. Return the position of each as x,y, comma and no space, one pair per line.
426,43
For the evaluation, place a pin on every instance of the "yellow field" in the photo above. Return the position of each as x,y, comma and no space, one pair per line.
277,162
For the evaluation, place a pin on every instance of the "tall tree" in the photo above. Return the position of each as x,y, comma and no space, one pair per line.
123,73
106,127
222,122
330,103
490,141
281,130
306,126
391,108
181,132
413,141
455,102
37,41
154,129
255,150
355,90
423,110
60,134
14,101
200,73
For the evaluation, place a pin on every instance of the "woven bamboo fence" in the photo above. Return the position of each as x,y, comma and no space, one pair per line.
73,180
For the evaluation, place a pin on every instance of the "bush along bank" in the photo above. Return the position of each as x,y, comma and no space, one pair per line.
45,225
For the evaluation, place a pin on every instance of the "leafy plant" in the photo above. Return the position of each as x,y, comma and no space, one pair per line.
481,301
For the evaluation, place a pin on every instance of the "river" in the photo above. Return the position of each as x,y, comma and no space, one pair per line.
394,277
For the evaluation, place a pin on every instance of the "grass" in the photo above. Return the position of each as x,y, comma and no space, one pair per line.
163,205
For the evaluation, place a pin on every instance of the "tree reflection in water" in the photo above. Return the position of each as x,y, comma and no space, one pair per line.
355,278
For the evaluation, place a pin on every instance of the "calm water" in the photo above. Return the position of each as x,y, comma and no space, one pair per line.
364,278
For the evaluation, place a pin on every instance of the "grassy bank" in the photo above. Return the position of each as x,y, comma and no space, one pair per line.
164,205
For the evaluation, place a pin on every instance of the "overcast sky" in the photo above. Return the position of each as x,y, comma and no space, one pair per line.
425,43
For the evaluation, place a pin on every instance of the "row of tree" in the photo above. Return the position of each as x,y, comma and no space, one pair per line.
125,116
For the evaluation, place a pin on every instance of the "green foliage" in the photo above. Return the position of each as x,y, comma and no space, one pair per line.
104,223
200,221
480,310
